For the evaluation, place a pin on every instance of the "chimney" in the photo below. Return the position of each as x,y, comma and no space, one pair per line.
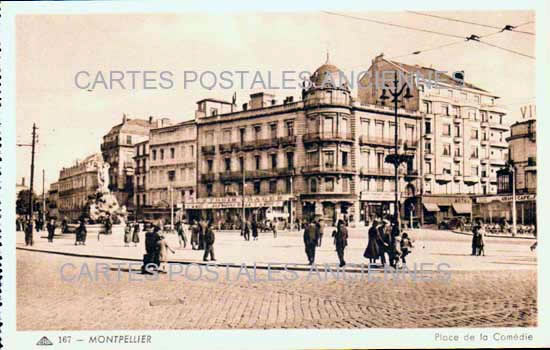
23,181
245,106
123,118
150,119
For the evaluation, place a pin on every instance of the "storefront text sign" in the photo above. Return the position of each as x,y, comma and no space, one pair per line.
236,202
519,198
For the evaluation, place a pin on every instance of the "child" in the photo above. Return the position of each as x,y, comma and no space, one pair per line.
163,256
406,246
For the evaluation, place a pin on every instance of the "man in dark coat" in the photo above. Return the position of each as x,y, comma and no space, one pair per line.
152,249
203,226
310,242
209,239
318,231
254,229
372,252
475,233
246,230
194,235
28,234
341,241
51,230
81,233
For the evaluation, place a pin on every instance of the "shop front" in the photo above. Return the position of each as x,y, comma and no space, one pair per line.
495,209
376,205
226,212
438,208
329,209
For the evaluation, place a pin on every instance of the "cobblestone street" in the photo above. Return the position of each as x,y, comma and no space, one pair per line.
504,298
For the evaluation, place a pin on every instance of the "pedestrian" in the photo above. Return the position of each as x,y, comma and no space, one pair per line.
318,231
194,235
341,239
480,242
135,234
247,230
274,229
151,256
310,242
181,234
28,234
64,225
209,239
203,226
51,230
373,250
385,242
254,229
81,233
163,248
17,224
127,234
475,232
406,247
108,226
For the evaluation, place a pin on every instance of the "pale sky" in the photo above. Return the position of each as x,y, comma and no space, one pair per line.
51,49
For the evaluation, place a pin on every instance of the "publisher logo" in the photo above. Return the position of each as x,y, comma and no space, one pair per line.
44,341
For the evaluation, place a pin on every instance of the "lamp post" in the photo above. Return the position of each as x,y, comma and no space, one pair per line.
396,159
514,218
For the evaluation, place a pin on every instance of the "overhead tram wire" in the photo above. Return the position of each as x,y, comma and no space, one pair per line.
502,29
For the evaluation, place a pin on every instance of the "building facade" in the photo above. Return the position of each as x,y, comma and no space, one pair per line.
118,150
141,176
462,137
75,184
171,162
322,156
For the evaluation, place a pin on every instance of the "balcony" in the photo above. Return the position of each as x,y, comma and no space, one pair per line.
226,147
457,139
428,136
484,178
484,124
457,120
531,164
287,140
428,155
457,178
484,161
457,158
498,126
499,144
230,175
328,136
365,171
472,179
410,144
428,176
444,178
208,177
411,174
377,141
484,142
498,162
327,169
208,149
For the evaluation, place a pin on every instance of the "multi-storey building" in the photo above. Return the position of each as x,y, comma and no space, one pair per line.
171,169
76,184
53,200
462,138
522,144
118,150
302,159
141,173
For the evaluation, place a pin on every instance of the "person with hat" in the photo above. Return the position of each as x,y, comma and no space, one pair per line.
209,239
81,233
310,242
151,256
51,229
373,250
341,241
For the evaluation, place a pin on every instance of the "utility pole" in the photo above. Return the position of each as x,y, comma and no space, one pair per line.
514,214
33,145
396,159
243,205
171,209
43,197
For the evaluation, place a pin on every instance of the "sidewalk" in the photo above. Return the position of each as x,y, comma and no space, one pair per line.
432,248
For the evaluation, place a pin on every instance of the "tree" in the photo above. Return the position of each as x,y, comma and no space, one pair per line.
22,204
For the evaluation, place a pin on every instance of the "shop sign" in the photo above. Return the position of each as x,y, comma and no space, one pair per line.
377,196
236,202
508,198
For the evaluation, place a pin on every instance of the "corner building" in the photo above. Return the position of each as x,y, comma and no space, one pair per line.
301,159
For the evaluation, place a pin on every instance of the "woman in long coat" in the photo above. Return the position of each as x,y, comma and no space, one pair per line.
372,252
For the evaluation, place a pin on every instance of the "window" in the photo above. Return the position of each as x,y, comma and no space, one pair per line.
428,167
345,159
257,160
240,188
129,139
226,189
475,152
409,132
380,160
288,185
273,131
241,135
427,107
257,132
210,165
428,147
344,127
209,138
290,160
457,172
227,136
379,185
483,116
154,154
365,126
446,110
312,158
192,151
213,111
457,151
329,184
475,170
209,190
328,125
447,149
313,185
345,185
227,164
446,129
475,134
257,186
484,136
329,159
161,154
172,153
273,160
241,164
379,128
457,130
290,128
272,186
447,168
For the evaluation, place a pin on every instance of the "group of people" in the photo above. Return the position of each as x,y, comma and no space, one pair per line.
27,226
131,234
202,238
313,237
250,227
385,239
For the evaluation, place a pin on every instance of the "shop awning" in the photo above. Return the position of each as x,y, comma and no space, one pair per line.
462,208
431,207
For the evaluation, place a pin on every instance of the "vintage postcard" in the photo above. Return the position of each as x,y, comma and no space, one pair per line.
244,175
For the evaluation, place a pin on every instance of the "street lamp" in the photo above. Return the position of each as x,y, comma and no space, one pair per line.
396,159
514,218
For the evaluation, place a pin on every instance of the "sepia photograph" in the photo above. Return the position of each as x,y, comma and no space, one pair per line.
306,169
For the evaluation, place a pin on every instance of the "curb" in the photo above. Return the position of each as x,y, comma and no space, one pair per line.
353,268
495,236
